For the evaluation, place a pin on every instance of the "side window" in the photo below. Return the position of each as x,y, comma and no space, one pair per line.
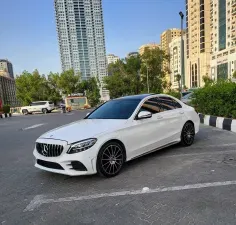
176,104
152,106
168,103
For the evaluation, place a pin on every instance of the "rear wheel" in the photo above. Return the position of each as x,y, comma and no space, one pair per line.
188,134
25,112
45,111
110,159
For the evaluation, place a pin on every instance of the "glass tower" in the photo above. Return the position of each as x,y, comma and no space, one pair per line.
81,37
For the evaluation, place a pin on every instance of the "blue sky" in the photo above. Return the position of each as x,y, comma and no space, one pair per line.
28,32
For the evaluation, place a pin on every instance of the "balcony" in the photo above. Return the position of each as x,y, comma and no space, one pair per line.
233,36
234,12
233,3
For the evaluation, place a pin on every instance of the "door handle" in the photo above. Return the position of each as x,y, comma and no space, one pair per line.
159,117
181,112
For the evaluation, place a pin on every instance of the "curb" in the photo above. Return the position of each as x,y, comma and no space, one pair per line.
219,122
5,115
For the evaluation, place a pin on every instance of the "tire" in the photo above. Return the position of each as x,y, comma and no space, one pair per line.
25,112
110,160
44,111
188,134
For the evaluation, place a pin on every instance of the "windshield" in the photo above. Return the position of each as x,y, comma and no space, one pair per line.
187,96
115,109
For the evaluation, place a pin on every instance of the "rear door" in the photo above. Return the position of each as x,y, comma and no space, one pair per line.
174,117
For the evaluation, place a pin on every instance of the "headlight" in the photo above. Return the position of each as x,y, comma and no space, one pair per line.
81,146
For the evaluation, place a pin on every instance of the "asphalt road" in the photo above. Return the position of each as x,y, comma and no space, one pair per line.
194,185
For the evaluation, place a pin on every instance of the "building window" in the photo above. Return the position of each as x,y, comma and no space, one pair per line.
222,71
222,24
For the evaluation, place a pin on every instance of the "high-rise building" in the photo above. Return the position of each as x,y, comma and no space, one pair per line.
149,46
197,42
8,91
6,68
81,38
111,58
223,38
166,38
175,60
132,54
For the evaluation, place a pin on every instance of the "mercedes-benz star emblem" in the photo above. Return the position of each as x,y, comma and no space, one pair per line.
45,150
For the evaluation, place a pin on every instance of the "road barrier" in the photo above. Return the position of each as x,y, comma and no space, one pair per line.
219,122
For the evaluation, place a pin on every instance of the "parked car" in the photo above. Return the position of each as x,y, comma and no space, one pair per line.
41,106
116,132
187,98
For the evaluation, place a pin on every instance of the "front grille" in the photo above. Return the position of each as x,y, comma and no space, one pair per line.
49,150
50,165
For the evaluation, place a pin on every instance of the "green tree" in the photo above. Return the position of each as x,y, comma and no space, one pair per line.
68,82
153,70
93,91
125,78
53,90
234,74
207,80
31,87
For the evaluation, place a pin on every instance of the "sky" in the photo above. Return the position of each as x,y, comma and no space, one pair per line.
28,35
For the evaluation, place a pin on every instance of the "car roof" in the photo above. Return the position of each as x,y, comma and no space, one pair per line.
135,97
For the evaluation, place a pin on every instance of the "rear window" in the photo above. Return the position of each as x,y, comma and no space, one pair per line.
50,103
37,103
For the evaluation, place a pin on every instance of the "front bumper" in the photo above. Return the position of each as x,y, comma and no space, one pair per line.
66,163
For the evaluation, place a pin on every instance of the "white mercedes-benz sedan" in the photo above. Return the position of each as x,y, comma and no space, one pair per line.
118,131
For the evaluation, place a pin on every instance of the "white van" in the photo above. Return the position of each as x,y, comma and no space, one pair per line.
41,106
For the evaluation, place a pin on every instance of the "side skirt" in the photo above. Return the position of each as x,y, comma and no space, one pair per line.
154,150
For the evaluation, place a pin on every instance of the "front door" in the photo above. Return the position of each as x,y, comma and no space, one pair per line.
146,134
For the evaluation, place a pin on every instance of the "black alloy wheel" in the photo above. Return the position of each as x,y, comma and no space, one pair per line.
188,134
110,159
25,112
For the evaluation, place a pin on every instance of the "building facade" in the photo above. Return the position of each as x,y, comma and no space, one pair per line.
166,38
149,46
175,60
198,46
8,91
132,54
81,38
223,38
6,68
111,58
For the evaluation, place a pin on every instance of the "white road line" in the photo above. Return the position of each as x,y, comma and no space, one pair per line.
207,146
42,199
34,126
199,153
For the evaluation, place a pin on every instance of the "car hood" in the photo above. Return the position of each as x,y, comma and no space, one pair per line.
84,129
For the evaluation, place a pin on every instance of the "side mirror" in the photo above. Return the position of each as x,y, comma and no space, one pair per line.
144,115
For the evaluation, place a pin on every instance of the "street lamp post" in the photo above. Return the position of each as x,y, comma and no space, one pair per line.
147,80
182,53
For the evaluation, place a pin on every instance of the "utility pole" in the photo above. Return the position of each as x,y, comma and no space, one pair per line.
182,53
147,80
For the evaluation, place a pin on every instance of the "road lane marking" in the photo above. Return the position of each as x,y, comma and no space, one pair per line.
34,126
199,154
43,199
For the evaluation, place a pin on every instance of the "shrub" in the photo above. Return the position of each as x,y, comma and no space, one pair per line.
174,94
6,108
217,99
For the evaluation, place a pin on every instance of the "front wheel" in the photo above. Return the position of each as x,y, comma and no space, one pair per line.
110,159
45,111
188,134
